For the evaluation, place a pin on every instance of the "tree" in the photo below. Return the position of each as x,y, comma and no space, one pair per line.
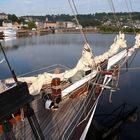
31,25
13,18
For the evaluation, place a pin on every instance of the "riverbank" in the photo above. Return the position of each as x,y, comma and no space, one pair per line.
85,30
22,32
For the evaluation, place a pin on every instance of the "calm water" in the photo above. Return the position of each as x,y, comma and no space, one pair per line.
27,54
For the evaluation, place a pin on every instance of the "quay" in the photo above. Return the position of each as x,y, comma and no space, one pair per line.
44,31
22,32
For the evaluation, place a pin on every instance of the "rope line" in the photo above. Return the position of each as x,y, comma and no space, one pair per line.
75,13
112,7
129,13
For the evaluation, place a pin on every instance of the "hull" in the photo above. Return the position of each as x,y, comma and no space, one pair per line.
10,33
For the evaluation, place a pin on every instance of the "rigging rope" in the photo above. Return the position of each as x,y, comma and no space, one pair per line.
133,57
75,13
112,7
131,5
132,23
130,15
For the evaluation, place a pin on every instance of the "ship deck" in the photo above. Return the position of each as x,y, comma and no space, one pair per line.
55,124
73,112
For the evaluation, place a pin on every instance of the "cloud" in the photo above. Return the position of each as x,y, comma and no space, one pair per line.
27,1
43,7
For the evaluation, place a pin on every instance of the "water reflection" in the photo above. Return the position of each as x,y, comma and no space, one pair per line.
109,125
27,54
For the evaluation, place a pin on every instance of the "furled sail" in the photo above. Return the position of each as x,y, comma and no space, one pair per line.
119,42
136,46
86,62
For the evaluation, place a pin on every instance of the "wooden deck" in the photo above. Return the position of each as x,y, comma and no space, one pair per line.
60,124
55,124
73,111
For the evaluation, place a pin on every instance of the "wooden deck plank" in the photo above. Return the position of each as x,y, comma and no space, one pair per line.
52,123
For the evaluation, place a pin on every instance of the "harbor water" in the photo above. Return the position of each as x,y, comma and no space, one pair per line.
28,54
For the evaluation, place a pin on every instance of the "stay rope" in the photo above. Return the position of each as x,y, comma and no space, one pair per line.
130,10
75,13
112,7
130,13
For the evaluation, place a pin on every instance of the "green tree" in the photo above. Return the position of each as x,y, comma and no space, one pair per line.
31,25
21,20
13,18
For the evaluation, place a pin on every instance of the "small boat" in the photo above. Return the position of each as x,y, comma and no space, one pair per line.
8,32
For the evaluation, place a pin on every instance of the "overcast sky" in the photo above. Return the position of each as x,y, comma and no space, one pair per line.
43,7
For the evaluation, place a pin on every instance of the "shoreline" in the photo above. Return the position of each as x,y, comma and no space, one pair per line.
23,33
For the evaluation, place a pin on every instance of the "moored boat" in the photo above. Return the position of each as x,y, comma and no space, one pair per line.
7,33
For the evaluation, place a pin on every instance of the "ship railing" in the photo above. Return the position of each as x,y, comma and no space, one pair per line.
76,120
49,69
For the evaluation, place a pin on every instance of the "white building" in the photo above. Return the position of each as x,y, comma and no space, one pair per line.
60,25
3,16
70,24
7,23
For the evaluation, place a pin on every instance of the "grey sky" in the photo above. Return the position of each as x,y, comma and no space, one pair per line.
43,7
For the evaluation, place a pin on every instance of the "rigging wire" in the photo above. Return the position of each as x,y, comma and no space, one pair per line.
130,13
75,13
131,6
132,23
112,7
133,57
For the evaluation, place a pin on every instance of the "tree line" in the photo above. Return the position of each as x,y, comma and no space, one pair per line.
82,17
86,20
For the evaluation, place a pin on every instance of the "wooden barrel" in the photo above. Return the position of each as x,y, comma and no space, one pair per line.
56,90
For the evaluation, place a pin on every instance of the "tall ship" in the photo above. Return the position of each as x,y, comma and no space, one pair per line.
60,104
